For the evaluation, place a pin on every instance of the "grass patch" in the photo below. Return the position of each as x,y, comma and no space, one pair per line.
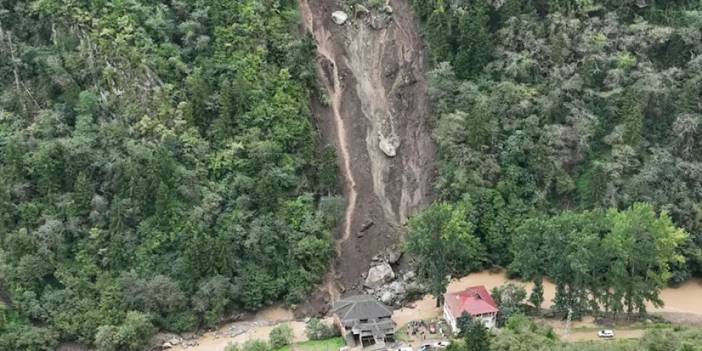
629,326
401,335
626,344
333,344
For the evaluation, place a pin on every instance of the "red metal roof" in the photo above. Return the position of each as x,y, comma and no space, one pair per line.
474,300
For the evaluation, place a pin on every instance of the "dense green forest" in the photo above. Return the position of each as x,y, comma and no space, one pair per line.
158,167
568,134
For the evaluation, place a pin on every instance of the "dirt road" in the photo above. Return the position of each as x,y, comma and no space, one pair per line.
371,70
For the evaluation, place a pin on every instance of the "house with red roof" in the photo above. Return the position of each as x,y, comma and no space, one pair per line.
476,301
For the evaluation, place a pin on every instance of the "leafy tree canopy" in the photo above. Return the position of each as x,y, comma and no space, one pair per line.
541,107
155,157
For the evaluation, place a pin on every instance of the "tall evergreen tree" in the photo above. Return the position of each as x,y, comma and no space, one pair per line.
438,25
537,293
442,242
476,337
474,47
463,323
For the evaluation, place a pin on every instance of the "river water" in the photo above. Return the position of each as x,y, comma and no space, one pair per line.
685,299
256,328
683,304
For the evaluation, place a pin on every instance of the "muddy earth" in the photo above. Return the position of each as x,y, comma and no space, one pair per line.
257,327
373,109
683,305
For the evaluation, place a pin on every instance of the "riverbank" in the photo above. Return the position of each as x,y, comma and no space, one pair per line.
683,305
256,328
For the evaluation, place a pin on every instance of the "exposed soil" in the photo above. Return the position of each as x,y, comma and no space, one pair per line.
372,73
258,327
575,336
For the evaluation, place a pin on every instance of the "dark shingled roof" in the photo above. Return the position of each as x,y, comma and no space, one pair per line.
354,308
365,316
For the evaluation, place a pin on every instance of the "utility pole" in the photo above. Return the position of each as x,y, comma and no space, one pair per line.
568,319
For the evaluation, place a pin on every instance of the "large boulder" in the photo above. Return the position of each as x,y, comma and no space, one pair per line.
164,341
387,297
379,275
388,144
339,17
397,291
393,254
392,294
409,276
397,288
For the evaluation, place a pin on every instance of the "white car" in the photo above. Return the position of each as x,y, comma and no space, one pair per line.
607,333
442,344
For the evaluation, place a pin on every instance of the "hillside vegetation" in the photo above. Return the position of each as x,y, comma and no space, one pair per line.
158,167
570,145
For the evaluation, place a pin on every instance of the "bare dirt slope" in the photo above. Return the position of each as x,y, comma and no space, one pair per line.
371,68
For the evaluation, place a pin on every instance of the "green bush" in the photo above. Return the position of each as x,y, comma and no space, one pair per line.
280,336
251,345
318,330
129,336
27,338
256,345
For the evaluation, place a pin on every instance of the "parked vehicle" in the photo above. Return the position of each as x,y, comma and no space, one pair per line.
432,328
399,347
442,344
606,333
425,347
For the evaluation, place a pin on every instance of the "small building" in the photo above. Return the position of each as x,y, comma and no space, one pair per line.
476,301
364,321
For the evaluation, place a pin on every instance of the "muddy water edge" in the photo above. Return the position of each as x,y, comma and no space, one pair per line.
683,305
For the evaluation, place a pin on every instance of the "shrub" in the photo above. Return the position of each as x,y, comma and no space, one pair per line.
130,335
251,345
280,336
256,345
27,338
318,330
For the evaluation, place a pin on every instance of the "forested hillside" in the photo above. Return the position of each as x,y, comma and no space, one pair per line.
158,167
541,107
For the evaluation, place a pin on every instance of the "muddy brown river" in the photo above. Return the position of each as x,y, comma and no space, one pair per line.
685,300
682,305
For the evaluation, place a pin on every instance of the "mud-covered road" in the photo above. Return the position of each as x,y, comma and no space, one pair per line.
371,69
